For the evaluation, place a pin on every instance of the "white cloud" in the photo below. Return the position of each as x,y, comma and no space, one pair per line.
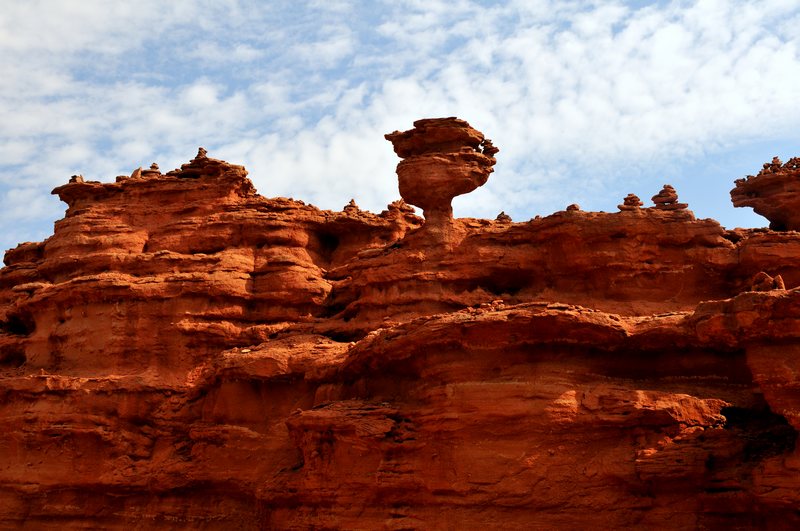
217,53
16,151
578,96
200,94
333,44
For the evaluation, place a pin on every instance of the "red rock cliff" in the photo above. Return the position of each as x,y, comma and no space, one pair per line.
184,353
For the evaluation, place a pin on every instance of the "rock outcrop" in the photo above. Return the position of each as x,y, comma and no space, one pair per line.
442,158
667,199
185,353
631,202
774,193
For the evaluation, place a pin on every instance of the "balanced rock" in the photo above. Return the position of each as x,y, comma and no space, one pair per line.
442,158
667,199
631,202
153,171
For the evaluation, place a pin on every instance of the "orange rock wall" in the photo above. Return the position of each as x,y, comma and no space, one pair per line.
184,353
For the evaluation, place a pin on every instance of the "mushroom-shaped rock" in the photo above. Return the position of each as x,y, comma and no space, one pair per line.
667,199
574,207
774,193
631,202
442,158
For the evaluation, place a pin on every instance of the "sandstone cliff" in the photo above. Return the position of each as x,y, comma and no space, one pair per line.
184,353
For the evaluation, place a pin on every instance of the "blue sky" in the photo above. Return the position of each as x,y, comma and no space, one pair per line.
587,101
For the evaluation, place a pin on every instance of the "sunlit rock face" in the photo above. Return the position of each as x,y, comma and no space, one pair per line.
774,193
185,353
442,158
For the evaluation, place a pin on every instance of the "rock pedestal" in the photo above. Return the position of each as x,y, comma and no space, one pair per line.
442,158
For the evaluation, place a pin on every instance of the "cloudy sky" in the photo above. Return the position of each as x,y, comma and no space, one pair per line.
586,100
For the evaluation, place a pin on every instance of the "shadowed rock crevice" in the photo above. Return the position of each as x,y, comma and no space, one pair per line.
18,324
764,433
12,357
327,244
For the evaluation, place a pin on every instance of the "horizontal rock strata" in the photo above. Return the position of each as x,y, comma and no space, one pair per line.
184,353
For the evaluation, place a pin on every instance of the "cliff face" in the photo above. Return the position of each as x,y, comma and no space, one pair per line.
184,353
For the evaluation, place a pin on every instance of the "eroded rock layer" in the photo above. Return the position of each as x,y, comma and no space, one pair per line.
774,193
184,353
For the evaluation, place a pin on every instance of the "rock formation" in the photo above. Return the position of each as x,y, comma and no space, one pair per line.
764,282
667,199
184,353
442,158
631,203
774,193
503,217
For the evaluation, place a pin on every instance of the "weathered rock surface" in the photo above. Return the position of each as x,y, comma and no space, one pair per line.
184,353
774,193
442,158
667,199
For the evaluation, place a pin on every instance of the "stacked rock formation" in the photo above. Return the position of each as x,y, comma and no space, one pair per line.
667,199
184,353
774,193
631,203
442,158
